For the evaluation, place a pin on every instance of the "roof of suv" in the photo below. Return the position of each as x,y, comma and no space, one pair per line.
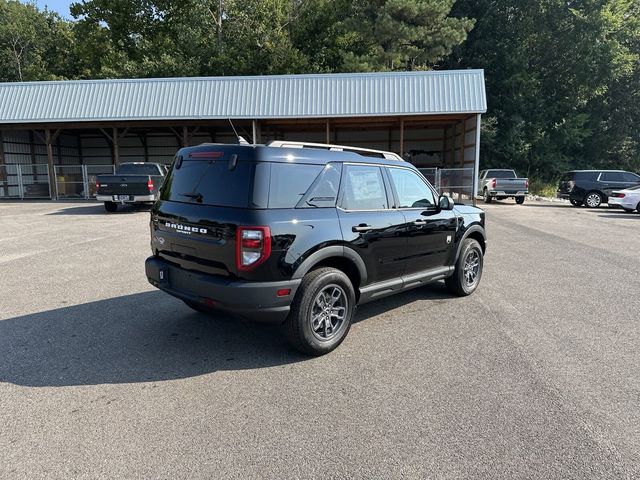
303,152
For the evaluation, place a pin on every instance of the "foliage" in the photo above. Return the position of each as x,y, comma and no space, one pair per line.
562,77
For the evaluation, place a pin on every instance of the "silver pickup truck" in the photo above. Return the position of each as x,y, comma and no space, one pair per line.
501,184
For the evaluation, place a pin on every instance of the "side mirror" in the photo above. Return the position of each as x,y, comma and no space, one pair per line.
445,202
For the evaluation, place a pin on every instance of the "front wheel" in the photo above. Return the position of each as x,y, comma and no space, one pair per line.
322,311
519,200
111,207
486,197
468,270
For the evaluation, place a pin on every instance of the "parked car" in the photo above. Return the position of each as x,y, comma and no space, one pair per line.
501,184
593,187
300,233
133,183
627,199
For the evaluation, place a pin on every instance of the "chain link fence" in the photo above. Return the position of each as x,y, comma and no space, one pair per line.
24,181
458,183
79,181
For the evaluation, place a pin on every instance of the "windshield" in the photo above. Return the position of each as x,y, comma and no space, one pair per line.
137,169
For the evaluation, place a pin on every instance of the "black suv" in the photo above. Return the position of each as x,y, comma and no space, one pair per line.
593,187
302,233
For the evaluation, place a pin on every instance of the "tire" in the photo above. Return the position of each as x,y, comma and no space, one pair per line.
326,295
111,207
486,197
519,200
593,199
638,207
198,307
575,203
470,253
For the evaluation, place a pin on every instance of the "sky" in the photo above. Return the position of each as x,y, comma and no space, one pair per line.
60,6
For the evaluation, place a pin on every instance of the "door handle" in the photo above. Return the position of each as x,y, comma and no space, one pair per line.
361,228
420,222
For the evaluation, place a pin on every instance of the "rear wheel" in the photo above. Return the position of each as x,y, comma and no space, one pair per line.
110,207
575,203
638,207
486,197
519,200
322,311
468,270
593,200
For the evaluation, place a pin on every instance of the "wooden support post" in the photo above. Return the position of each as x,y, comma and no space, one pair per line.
116,149
32,154
185,137
52,174
476,164
454,129
79,148
145,146
401,137
328,131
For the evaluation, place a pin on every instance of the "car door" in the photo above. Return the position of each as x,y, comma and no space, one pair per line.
369,224
611,181
430,231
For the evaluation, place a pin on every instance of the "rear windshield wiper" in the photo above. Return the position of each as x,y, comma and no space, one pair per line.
196,196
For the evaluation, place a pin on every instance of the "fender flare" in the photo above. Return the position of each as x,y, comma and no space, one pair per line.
469,231
329,252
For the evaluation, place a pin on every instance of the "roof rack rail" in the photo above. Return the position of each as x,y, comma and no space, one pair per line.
336,148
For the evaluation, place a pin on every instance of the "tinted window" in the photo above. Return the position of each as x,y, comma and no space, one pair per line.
209,182
630,177
585,175
411,189
324,191
137,169
612,177
289,182
364,188
501,174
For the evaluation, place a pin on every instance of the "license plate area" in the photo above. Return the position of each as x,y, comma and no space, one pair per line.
121,198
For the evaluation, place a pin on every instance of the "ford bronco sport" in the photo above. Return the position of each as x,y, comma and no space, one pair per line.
301,233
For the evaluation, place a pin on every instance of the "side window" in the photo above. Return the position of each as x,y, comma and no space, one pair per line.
324,191
411,189
289,182
363,188
631,177
612,177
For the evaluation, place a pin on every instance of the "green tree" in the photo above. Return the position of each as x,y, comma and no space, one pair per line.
34,44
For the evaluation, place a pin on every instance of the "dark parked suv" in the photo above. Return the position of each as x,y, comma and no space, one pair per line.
302,233
593,187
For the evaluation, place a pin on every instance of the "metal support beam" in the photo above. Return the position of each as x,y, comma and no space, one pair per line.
52,174
254,131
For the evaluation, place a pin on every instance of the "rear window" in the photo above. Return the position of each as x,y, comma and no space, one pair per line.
584,176
209,181
501,174
137,169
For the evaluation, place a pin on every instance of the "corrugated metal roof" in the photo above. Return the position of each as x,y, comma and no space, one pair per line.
259,97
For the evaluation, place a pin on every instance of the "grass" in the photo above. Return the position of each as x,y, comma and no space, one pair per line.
542,188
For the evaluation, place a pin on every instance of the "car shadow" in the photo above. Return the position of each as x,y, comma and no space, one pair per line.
148,337
97,209
620,215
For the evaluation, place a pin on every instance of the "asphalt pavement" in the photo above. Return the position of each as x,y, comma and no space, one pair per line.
536,375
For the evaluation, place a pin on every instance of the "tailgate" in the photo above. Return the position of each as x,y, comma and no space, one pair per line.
123,184
511,184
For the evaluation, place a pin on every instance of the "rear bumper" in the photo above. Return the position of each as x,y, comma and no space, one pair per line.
626,203
132,198
254,300
509,193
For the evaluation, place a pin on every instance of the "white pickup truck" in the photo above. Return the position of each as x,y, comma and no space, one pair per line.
501,184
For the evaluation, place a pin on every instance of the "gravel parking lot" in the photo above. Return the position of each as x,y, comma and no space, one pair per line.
534,376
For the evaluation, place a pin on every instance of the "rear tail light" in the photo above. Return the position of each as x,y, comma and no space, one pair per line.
618,195
571,184
526,184
253,246
150,185
97,184
493,183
